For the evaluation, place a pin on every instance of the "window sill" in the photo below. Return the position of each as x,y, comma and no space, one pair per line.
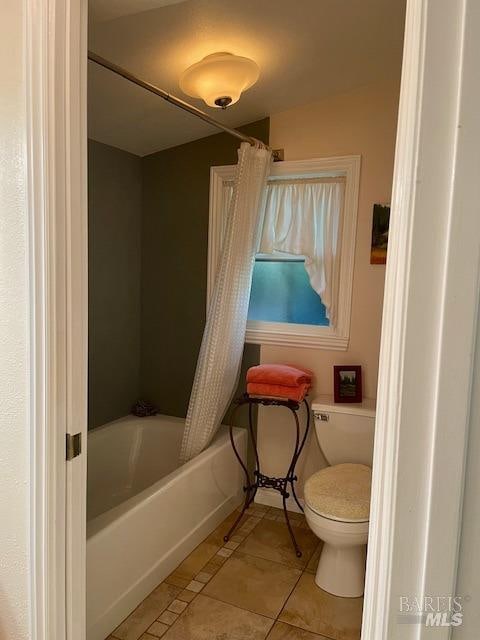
295,335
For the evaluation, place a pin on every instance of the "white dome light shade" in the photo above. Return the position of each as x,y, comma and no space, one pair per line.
219,79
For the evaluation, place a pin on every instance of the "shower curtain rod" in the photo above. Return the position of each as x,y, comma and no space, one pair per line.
103,62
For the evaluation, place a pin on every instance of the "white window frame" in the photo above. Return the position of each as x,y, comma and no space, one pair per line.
282,333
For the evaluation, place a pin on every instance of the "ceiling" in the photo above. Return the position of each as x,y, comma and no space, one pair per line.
306,50
102,10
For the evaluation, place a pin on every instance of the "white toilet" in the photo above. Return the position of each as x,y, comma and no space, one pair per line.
337,499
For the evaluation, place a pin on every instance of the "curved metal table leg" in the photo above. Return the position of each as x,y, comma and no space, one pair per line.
279,484
298,454
289,478
249,488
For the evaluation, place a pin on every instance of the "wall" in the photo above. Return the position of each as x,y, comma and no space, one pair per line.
14,333
361,122
468,578
114,216
174,264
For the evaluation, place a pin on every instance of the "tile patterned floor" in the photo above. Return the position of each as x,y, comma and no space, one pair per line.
250,588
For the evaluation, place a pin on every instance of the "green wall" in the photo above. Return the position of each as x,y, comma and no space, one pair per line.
174,264
114,234
148,244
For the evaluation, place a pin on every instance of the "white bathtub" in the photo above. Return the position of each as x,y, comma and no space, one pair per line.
145,512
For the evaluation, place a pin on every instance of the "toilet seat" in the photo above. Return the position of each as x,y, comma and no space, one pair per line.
341,492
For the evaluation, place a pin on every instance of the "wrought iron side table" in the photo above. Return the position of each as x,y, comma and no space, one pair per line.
260,480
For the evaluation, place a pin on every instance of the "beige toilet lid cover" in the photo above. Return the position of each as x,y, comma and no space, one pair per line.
341,492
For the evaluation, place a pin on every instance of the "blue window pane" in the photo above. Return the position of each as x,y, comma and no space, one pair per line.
281,292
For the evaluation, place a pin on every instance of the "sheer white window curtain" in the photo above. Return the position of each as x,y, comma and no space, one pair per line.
219,361
304,218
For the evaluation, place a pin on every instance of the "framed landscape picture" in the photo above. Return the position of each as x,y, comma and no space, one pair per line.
381,222
347,383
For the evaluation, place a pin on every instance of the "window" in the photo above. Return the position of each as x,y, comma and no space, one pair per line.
296,299
281,292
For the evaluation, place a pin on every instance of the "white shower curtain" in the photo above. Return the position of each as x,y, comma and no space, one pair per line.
219,361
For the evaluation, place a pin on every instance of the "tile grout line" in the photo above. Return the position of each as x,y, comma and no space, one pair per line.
199,589
321,636
236,553
237,606
288,597
258,516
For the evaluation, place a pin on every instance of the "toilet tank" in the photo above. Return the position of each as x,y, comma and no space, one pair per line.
345,432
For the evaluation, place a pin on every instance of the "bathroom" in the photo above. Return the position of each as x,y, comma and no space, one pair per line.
159,178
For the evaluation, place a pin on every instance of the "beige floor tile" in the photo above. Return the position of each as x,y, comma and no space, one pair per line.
168,617
319,612
232,545
208,619
251,523
217,536
295,515
186,596
195,562
313,562
146,613
158,629
282,631
271,540
213,565
176,581
296,523
177,606
257,509
148,636
270,516
203,576
255,584
237,538
195,586
273,512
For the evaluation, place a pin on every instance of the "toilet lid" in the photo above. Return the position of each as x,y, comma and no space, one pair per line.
340,492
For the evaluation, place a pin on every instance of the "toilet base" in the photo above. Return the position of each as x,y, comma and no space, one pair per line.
341,570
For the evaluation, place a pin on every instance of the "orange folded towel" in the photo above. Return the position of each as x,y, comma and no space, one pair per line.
279,374
279,381
297,393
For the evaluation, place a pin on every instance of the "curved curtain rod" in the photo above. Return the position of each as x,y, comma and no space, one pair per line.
103,62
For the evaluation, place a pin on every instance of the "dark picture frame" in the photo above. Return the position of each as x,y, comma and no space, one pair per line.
380,226
347,383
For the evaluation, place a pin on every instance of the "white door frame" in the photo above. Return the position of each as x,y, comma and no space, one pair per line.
55,67
430,304
428,331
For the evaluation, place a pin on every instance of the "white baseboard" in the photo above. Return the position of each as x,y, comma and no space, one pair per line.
271,498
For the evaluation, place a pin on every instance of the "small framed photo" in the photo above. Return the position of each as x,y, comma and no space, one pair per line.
380,225
347,383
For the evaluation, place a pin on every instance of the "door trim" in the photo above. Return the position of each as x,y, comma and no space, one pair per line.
55,70
418,476
428,332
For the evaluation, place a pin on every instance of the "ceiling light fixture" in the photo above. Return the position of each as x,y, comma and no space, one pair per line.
219,79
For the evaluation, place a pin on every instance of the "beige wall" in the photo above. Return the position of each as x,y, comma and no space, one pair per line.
361,122
15,563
